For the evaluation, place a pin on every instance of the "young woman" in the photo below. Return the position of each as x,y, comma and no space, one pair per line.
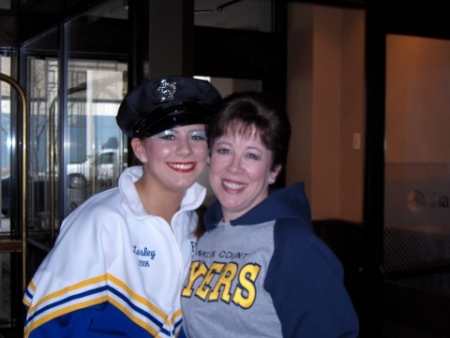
118,264
259,270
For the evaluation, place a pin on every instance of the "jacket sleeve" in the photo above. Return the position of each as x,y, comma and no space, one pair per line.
70,286
68,294
305,280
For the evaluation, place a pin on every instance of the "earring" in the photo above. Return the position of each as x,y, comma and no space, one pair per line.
272,180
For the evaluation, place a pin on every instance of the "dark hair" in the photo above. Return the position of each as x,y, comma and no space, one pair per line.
243,111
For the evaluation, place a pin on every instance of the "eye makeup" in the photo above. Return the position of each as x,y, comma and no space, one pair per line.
170,134
164,134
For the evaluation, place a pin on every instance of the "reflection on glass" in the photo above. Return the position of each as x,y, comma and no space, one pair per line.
43,122
245,15
417,168
94,153
7,109
5,165
5,150
5,4
95,146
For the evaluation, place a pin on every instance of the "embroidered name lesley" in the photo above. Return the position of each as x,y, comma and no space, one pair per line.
144,252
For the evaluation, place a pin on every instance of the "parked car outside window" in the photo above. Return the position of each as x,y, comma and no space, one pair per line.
104,169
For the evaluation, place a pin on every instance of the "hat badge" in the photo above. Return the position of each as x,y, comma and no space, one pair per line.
166,90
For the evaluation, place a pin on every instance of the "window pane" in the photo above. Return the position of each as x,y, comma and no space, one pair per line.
246,15
417,168
5,4
96,90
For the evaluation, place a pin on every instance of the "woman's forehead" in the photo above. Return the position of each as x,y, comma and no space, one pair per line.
241,129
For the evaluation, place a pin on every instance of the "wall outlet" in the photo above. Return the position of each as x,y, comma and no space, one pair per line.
356,141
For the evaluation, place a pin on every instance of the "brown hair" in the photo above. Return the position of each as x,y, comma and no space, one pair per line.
243,112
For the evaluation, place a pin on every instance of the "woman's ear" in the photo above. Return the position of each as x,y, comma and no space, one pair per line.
139,149
274,173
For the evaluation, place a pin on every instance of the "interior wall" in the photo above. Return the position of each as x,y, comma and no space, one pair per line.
299,90
325,102
326,112
417,119
353,108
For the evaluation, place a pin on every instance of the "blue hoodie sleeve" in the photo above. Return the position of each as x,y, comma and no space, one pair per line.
305,280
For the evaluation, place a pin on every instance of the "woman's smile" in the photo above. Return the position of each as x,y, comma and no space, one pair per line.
182,167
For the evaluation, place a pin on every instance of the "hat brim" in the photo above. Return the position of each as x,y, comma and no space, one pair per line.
172,117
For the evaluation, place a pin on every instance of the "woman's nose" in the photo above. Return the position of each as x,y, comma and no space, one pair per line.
235,164
183,147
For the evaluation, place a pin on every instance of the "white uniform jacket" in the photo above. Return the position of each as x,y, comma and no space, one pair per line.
115,270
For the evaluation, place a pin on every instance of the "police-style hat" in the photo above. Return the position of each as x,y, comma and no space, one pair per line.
165,103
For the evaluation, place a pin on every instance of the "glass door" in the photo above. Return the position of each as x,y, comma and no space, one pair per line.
95,146
13,159
416,224
94,149
75,86
417,156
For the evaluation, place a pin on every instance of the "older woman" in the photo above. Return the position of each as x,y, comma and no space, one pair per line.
259,270
119,262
